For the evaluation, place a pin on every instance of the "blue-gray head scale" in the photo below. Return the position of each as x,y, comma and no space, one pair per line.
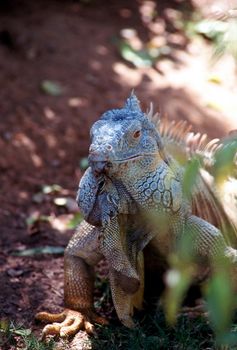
123,134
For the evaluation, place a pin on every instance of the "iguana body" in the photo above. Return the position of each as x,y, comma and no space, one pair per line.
138,176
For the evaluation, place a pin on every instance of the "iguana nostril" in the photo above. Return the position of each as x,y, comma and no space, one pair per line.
109,148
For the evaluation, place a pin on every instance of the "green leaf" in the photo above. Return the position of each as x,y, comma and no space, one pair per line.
190,176
23,332
51,88
180,276
220,300
75,221
39,250
140,58
178,282
228,339
84,163
224,160
210,28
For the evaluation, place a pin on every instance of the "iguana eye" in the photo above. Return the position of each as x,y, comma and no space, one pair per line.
137,134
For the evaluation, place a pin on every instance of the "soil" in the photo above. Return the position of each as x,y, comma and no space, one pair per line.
43,137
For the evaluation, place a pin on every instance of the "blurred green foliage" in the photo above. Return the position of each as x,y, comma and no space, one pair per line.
218,291
221,301
145,57
225,161
222,32
190,176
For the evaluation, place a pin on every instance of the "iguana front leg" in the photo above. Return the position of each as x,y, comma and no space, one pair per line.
81,254
208,241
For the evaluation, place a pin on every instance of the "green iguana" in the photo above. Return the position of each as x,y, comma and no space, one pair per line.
135,213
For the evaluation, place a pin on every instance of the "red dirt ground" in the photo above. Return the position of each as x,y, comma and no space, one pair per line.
44,137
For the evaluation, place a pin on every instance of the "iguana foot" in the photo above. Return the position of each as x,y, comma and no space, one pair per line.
69,322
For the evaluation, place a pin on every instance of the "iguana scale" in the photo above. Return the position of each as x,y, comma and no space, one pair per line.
136,171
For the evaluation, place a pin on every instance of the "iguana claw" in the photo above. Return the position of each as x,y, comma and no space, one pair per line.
69,322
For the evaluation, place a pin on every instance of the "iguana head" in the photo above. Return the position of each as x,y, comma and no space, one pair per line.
123,136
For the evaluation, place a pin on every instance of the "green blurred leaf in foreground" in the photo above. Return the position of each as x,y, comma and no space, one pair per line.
190,176
179,277
221,300
177,282
225,161
227,43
